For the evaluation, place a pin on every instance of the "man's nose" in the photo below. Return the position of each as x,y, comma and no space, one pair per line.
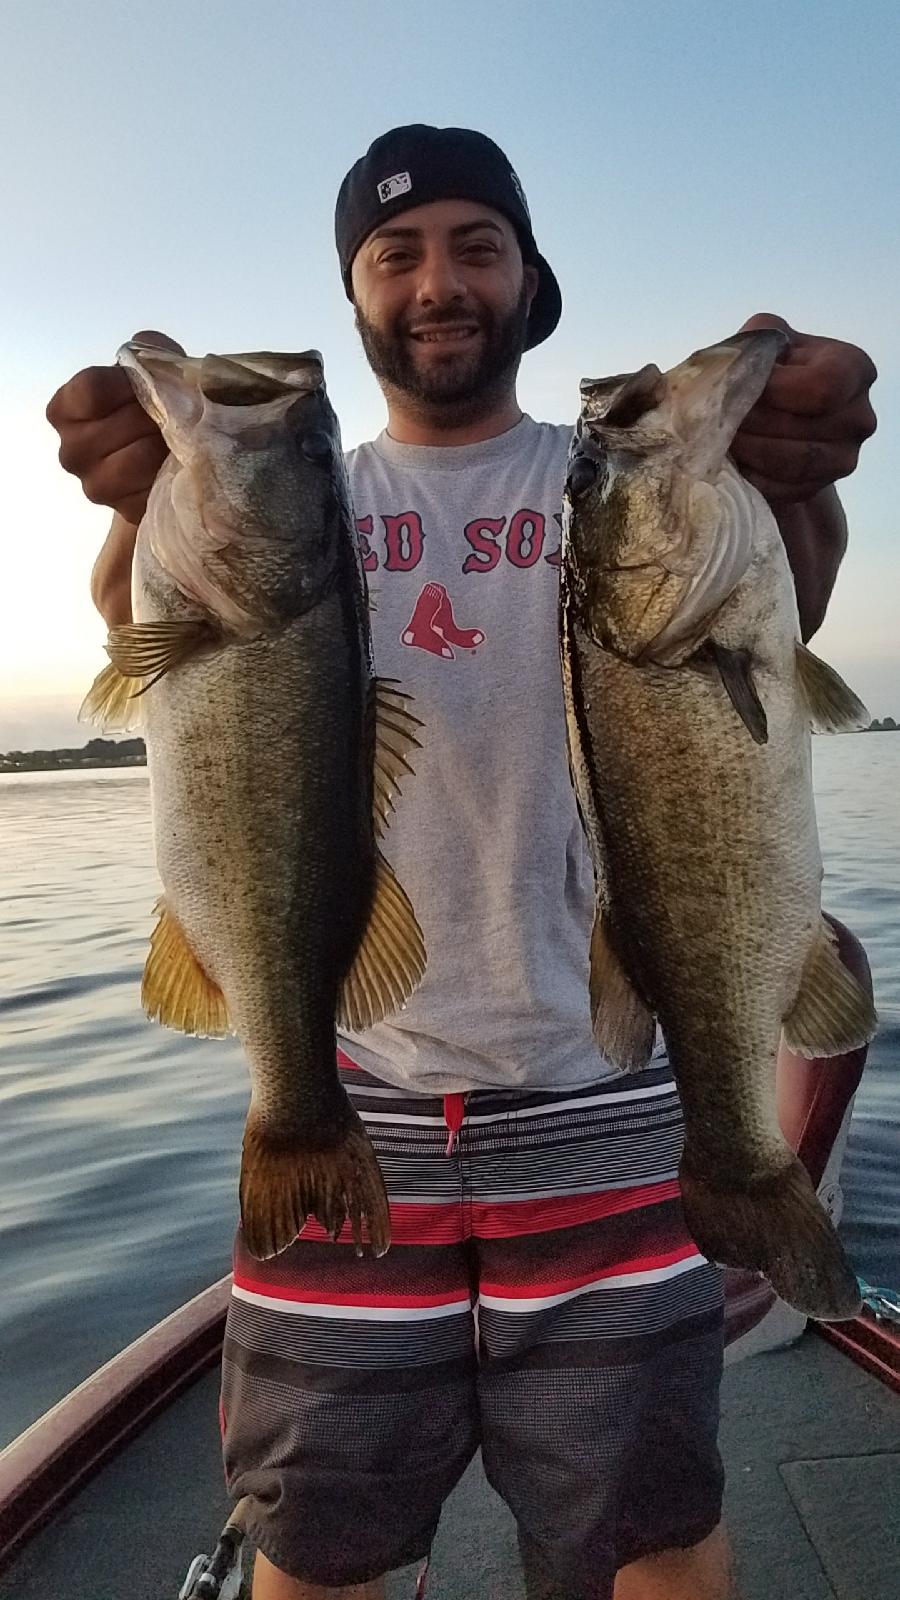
439,280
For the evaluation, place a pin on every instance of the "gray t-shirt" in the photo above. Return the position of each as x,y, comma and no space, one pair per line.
461,549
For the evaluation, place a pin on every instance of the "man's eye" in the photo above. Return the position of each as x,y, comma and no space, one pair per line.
484,250
394,258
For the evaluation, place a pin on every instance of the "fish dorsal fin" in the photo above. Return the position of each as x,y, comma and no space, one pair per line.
148,650
175,989
832,707
390,960
112,701
624,1029
395,738
832,1012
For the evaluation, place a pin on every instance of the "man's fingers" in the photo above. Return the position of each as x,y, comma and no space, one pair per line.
794,463
768,319
853,421
95,392
124,479
86,443
814,376
98,391
822,382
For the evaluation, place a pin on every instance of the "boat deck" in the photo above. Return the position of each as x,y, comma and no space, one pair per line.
812,1452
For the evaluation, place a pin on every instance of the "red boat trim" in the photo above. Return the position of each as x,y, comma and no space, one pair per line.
59,1452
871,1344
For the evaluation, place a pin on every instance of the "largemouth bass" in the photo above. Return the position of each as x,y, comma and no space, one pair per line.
689,701
274,757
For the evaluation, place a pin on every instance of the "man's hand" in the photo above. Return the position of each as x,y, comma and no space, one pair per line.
805,431
807,427
106,437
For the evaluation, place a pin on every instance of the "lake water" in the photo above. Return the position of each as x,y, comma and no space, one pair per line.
119,1140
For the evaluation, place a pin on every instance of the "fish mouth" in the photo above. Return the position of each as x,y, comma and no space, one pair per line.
254,378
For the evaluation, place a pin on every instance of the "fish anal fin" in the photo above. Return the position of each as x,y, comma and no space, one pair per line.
149,649
390,960
175,989
395,739
735,668
832,1012
624,1028
112,701
774,1225
832,706
283,1183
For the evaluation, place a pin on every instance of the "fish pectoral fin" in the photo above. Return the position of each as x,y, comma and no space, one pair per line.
283,1182
111,701
395,739
832,1012
735,668
624,1027
149,649
832,706
774,1225
175,989
390,960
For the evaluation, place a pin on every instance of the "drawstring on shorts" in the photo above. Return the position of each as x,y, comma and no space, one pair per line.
454,1111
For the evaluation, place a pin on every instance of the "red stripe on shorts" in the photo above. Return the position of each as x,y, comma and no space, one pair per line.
330,1297
447,1222
616,1269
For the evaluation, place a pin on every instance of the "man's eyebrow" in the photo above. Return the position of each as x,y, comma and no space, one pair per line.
459,231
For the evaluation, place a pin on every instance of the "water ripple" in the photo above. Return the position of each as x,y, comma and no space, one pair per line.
119,1141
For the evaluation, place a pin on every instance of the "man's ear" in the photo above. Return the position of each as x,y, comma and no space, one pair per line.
531,278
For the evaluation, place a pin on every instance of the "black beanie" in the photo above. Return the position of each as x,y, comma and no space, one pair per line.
411,166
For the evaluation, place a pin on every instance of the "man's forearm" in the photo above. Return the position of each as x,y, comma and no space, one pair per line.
111,577
815,537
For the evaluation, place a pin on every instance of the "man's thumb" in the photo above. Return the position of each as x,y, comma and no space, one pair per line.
769,319
161,340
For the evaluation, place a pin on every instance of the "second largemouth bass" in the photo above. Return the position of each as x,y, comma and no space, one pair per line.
689,703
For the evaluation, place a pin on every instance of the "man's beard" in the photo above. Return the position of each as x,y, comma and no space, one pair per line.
467,383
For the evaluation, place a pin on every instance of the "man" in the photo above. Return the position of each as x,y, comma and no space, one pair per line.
521,1171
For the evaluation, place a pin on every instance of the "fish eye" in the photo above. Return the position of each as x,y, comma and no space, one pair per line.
316,444
582,476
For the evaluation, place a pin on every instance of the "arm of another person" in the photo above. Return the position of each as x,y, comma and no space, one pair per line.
804,432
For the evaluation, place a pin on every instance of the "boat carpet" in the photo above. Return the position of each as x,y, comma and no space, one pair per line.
812,1451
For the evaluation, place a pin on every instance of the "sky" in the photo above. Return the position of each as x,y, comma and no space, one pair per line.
686,164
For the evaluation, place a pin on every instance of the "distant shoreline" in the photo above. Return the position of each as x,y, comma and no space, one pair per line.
96,753
132,753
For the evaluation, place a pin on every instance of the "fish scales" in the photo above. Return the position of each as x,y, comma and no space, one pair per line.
697,799
272,921
274,756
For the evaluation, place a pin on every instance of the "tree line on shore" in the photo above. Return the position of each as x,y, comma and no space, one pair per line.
133,753
96,753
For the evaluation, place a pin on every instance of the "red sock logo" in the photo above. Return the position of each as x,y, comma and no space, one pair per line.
433,626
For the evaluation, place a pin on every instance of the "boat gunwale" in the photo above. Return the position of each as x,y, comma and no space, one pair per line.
61,1450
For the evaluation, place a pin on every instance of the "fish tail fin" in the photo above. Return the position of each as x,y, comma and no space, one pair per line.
283,1183
776,1227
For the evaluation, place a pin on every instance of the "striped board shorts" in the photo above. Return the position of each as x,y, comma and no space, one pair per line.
541,1300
